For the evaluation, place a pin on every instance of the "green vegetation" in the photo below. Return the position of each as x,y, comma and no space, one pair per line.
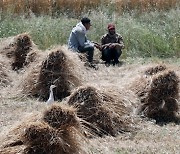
151,34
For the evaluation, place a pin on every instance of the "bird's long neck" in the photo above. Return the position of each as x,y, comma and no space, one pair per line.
51,94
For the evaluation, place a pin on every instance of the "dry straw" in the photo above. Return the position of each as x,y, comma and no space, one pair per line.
17,53
77,6
17,50
57,116
155,70
59,68
4,77
99,111
159,95
40,137
144,5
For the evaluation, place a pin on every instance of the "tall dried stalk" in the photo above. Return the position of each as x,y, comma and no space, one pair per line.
77,6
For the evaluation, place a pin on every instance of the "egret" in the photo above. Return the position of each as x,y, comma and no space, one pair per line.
51,95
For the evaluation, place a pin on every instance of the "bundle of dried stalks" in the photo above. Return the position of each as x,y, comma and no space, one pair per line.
40,137
12,150
4,77
155,70
59,69
33,57
159,97
57,116
12,142
98,110
23,45
64,119
18,49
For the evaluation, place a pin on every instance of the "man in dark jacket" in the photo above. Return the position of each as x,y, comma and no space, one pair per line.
111,46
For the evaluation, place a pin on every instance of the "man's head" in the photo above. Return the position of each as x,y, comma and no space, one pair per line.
86,22
111,29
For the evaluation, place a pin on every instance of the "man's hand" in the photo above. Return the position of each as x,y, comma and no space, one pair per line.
97,45
112,45
116,45
106,45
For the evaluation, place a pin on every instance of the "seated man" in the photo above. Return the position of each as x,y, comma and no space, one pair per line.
111,46
78,41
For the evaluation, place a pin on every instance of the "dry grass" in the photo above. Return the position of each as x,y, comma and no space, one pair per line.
144,5
103,112
57,68
155,70
159,94
76,6
109,100
57,117
150,138
4,77
17,50
35,135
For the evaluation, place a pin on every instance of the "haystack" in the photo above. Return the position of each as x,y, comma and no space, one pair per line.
18,50
33,57
12,142
155,70
159,97
4,77
97,109
56,69
57,117
40,137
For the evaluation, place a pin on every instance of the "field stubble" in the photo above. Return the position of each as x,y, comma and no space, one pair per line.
150,138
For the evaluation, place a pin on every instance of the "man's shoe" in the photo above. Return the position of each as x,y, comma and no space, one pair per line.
91,65
107,64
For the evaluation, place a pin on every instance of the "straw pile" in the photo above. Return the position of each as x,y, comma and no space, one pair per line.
56,69
32,57
58,116
159,96
155,70
4,77
40,137
98,110
18,50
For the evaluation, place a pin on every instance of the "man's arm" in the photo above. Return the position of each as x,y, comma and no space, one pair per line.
97,45
101,47
120,43
104,44
81,38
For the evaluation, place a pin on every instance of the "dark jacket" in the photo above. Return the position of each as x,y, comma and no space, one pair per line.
116,38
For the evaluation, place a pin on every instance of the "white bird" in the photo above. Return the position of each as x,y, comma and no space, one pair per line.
51,95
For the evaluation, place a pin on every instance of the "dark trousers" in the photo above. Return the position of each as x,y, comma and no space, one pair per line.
112,54
89,50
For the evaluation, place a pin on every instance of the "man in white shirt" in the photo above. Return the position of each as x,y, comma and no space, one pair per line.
78,41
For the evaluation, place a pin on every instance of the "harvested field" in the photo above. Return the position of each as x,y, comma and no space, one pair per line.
56,68
104,113
4,77
38,135
155,70
159,94
105,102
